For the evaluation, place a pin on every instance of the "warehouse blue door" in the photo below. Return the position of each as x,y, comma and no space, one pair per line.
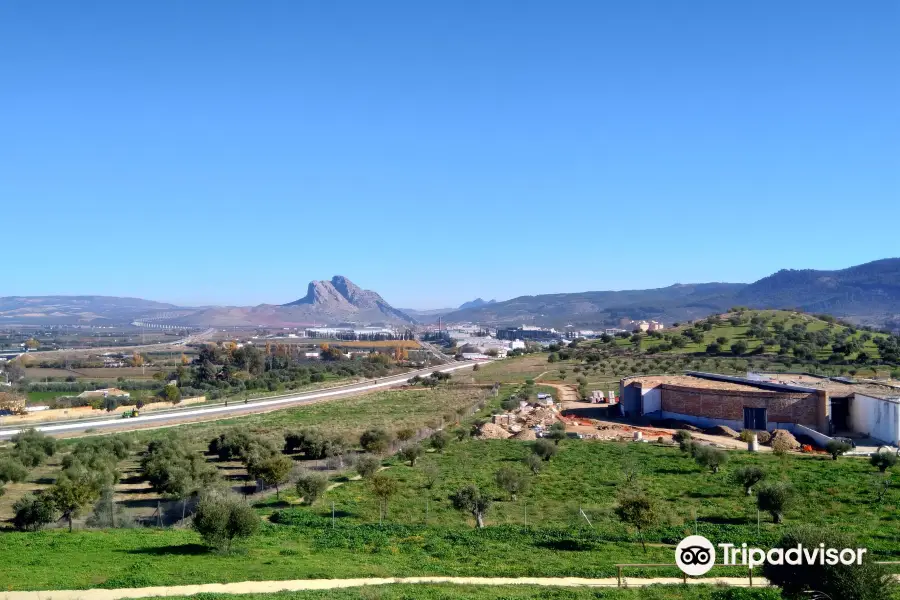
755,418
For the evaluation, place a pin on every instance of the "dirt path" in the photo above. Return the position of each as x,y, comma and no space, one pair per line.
268,587
567,392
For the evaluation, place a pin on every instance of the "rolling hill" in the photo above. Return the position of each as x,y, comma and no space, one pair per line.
868,293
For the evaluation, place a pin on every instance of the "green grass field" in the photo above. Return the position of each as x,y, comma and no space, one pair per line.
509,592
586,475
557,541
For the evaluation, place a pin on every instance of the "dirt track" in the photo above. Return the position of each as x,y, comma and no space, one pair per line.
268,587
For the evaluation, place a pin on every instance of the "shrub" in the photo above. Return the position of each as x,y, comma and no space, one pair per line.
775,498
748,476
439,440
544,448
682,435
837,447
512,481
510,403
689,447
534,463
32,512
746,435
367,465
883,460
764,437
375,441
406,434
866,581
12,470
411,453
221,519
712,458
311,486
557,432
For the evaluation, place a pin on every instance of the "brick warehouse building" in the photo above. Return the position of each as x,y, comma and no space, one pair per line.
814,406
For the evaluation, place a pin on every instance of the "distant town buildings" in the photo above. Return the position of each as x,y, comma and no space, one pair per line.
527,332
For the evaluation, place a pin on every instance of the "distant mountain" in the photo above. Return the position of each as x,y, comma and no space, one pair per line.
585,308
868,294
325,302
426,315
870,291
98,310
476,303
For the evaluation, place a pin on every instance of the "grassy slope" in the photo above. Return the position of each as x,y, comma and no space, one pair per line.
556,544
736,333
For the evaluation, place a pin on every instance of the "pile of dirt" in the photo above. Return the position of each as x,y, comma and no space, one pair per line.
489,431
786,437
541,416
674,424
722,430
527,435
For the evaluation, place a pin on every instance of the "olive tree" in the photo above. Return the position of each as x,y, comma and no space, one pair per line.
747,477
221,519
33,511
311,486
837,447
367,465
411,453
775,498
470,499
512,481
883,460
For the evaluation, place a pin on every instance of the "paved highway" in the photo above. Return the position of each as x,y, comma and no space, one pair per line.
176,416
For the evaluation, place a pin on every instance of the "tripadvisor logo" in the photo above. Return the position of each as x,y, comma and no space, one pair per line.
695,555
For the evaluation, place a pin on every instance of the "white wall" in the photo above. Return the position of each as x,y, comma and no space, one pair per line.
820,438
651,400
876,418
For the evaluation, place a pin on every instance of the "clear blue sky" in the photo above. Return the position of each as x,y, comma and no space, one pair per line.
229,152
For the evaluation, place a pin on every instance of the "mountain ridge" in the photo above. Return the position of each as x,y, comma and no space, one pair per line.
868,293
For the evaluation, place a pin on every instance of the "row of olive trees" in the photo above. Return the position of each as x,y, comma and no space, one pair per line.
30,449
88,473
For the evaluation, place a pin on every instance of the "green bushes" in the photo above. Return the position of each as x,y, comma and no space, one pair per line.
883,460
775,498
367,465
837,447
221,519
12,470
311,486
545,449
439,440
709,457
512,481
411,453
375,440
866,581
682,435
747,477
313,444
470,499
33,511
